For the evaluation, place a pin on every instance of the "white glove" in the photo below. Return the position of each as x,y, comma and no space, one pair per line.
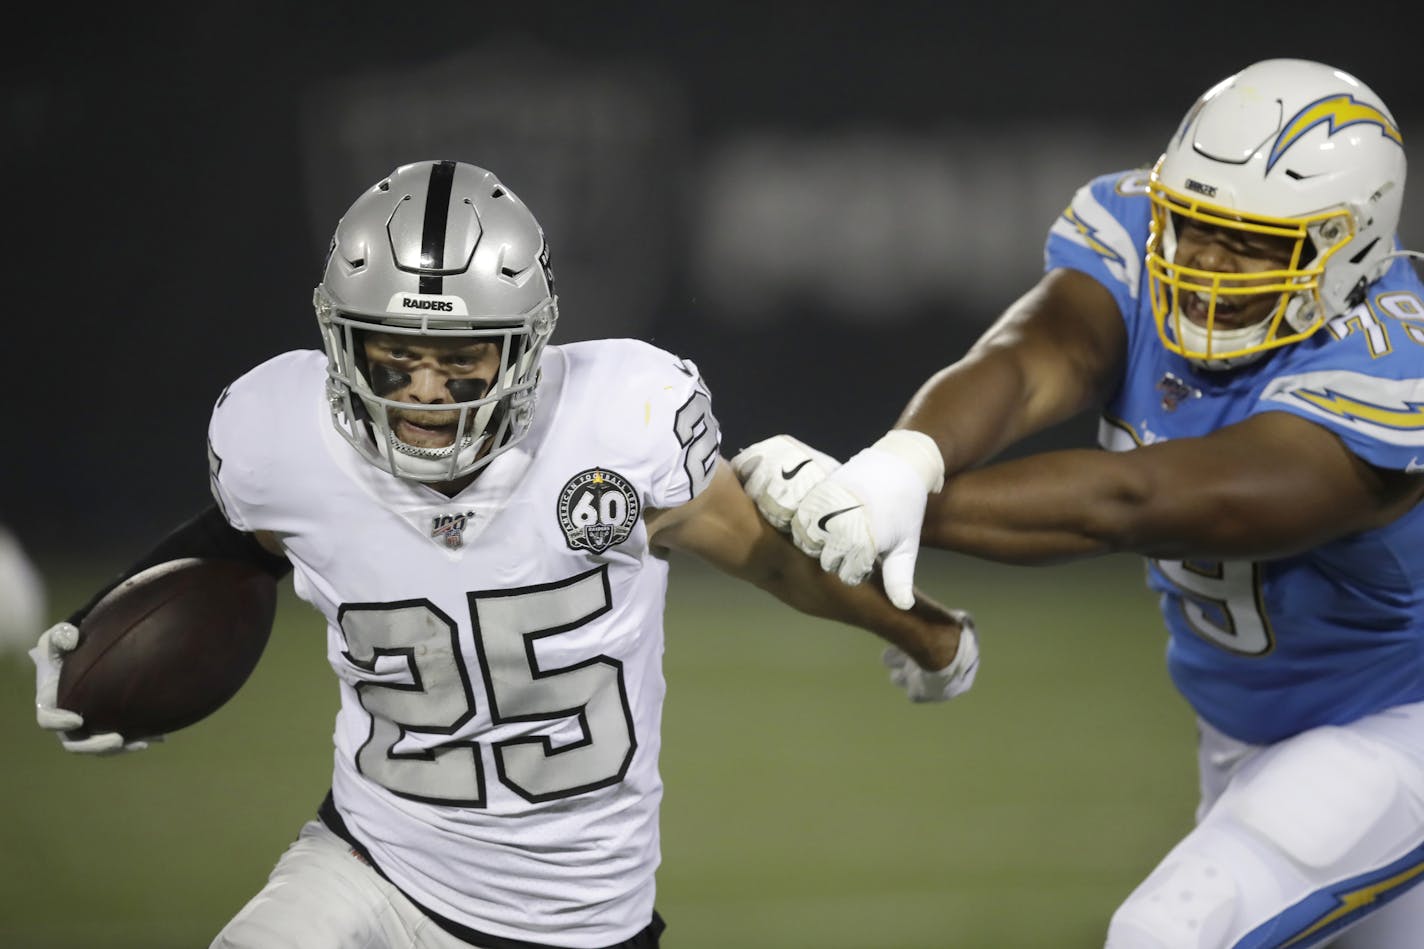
954,679
778,472
48,657
873,506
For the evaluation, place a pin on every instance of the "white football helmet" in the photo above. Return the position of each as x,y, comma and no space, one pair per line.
438,249
1285,148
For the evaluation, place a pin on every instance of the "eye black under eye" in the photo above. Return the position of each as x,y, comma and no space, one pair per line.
385,380
466,390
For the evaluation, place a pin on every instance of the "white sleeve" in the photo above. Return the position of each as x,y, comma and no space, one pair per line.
251,422
696,439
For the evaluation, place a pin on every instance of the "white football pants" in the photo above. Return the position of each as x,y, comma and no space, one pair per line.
322,896
1313,841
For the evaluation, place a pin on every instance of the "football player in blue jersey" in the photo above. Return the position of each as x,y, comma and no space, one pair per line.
1245,321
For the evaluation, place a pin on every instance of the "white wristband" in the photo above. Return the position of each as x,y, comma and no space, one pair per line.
968,653
917,450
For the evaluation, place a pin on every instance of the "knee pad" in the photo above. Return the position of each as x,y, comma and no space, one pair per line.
1187,903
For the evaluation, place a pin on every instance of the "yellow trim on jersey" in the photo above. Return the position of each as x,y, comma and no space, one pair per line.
1089,235
1122,426
1409,417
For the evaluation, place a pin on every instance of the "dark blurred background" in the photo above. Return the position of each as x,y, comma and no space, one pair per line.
818,203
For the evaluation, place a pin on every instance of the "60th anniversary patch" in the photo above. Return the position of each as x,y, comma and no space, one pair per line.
597,509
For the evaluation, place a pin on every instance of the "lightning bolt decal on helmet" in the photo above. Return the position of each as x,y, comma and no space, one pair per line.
438,249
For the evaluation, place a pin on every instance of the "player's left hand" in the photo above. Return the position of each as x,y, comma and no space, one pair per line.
923,685
48,657
873,506
778,472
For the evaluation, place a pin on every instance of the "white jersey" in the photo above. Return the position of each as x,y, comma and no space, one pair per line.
499,652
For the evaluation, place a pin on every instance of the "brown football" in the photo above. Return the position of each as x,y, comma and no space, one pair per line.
168,646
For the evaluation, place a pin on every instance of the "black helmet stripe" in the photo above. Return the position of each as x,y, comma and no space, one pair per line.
437,216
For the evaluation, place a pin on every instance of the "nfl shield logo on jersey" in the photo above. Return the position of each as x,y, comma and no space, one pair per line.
449,529
1175,392
597,509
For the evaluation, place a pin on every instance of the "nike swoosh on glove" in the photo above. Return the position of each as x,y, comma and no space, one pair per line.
872,507
778,472
922,685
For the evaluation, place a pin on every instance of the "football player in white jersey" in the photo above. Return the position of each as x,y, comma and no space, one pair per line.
1245,321
483,520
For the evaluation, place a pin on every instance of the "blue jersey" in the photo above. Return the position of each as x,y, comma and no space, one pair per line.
1263,650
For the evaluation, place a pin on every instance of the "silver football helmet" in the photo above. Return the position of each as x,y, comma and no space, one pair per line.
438,249
1285,148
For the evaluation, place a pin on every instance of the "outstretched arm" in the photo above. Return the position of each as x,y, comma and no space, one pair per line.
722,527
1272,485
1053,353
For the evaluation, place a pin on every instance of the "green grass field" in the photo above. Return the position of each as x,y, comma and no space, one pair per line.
808,804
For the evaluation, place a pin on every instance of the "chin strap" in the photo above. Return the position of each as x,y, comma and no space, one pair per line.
1190,335
433,464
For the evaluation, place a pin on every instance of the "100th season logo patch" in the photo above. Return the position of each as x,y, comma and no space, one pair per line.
597,509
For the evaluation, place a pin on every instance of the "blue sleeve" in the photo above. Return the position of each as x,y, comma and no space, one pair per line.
1102,233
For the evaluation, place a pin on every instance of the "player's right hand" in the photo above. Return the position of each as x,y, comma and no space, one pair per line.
872,507
48,657
778,472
